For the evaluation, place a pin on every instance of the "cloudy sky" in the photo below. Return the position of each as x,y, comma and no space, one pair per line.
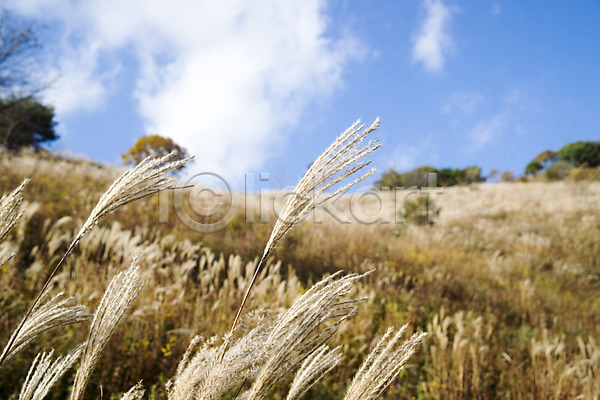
266,85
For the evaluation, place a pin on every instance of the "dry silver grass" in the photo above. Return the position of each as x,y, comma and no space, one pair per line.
307,325
10,213
54,313
7,252
122,290
383,364
312,369
44,373
341,160
10,209
202,374
147,178
135,393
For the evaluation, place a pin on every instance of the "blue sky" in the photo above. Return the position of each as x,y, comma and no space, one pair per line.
265,86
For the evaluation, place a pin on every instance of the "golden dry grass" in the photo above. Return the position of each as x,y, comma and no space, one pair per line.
505,281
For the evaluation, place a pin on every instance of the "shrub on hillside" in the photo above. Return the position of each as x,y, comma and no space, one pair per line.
557,171
419,177
421,211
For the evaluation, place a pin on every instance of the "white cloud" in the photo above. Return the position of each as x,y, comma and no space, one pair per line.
481,121
463,102
422,150
79,84
405,158
486,131
433,42
220,78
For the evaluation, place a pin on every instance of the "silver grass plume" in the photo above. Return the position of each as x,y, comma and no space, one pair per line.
54,313
44,373
147,178
122,290
312,369
135,393
383,364
202,374
10,209
10,213
307,325
341,160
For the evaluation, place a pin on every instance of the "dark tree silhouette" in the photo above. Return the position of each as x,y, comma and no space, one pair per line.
25,122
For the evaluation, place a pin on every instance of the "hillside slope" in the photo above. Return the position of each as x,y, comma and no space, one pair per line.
505,280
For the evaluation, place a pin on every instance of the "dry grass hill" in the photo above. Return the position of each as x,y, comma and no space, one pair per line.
506,282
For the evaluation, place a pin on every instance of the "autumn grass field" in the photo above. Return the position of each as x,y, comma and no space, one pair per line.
505,280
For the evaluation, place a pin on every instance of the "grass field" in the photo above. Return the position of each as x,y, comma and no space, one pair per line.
505,282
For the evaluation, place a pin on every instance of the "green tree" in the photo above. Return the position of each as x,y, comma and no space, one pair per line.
154,146
508,176
546,157
581,153
390,178
418,177
457,176
448,177
25,122
415,177
533,168
471,175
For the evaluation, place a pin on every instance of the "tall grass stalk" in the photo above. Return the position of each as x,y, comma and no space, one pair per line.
55,312
135,393
203,375
314,367
44,373
147,178
383,364
10,213
122,290
339,161
306,326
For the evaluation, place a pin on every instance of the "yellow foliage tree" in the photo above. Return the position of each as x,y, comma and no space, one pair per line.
155,146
